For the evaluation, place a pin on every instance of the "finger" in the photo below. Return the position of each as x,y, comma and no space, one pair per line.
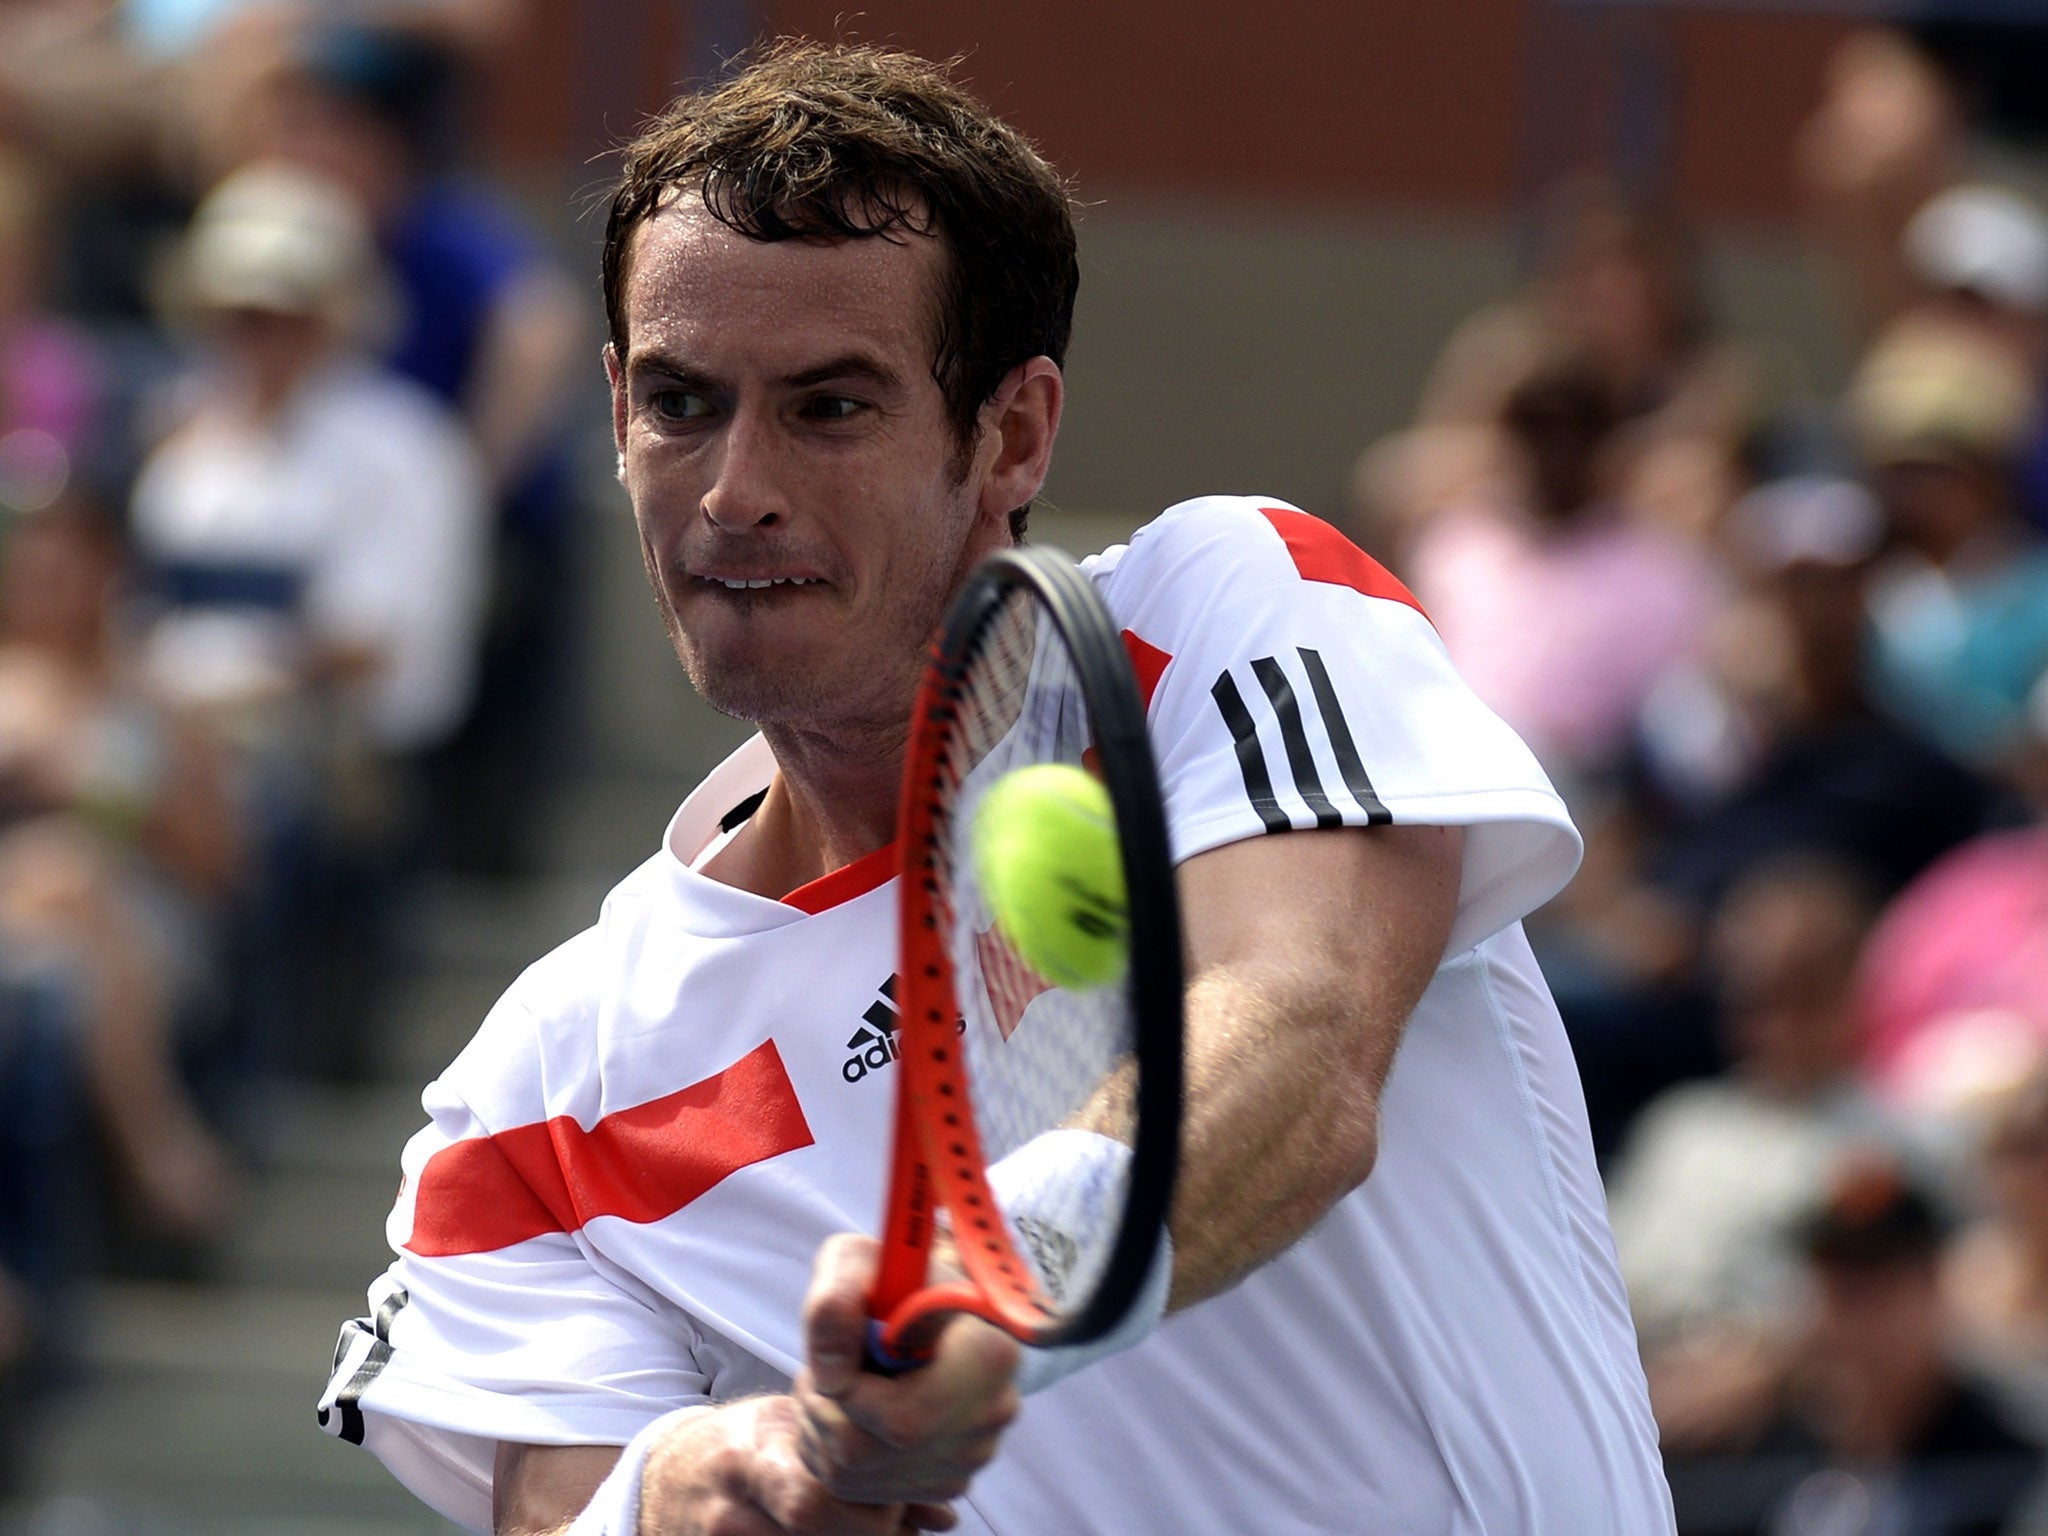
930,1517
967,1386
836,1311
784,1490
853,1465
824,1435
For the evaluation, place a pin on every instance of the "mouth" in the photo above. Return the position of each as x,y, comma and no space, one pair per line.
758,583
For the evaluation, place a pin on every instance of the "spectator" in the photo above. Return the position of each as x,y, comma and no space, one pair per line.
1888,134
1997,1277
491,323
1704,1193
113,830
312,516
1953,986
82,734
1562,610
1766,746
1981,251
1880,1435
1616,285
49,371
1960,609
1980,254
1775,746
317,530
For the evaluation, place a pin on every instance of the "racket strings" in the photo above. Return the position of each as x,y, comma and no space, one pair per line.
1039,1057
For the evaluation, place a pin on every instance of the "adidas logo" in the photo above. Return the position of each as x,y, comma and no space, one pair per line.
874,1044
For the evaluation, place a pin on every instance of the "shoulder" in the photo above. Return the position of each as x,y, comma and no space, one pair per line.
510,1070
536,1053
1241,547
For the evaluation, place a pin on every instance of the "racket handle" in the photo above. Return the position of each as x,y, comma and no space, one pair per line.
883,1360
907,1338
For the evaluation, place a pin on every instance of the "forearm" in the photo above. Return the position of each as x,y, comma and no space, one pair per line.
1281,1118
679,1476
769,1463
1308,953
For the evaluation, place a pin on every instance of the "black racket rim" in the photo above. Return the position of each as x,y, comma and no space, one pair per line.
1154,978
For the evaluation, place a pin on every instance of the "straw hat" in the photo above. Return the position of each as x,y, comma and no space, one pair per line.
1935,392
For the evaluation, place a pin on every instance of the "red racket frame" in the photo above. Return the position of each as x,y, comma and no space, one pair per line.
938,1159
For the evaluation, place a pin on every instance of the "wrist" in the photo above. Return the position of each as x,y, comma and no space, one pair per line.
614,1509
1063,1194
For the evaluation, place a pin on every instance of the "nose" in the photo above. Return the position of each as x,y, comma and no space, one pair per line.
746,492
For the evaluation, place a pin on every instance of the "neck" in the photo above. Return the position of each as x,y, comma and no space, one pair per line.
833,800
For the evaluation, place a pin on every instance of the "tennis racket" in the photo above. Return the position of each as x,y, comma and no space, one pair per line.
1028,668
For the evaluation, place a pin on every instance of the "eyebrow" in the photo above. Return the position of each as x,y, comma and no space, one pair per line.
849,365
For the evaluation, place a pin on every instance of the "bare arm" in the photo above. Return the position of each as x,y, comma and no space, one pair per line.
743,1469
537,1490
1308,951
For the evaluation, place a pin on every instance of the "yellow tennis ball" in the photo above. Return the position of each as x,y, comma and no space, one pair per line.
1045,853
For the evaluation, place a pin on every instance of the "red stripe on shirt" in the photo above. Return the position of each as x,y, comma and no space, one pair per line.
641,1164
1148,662
1321,553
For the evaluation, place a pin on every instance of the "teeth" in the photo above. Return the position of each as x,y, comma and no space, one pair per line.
772,581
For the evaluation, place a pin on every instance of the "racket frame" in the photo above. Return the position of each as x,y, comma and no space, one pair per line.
938,1159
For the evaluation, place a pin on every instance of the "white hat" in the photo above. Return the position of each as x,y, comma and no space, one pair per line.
1985,239
277,238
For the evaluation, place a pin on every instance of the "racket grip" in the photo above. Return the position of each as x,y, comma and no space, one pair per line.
883,1360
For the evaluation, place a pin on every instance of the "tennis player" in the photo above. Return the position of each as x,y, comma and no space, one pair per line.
839,294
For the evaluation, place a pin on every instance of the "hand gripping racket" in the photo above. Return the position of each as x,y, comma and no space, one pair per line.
1028,668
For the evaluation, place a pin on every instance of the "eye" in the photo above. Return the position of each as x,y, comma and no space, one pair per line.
832,407
678,405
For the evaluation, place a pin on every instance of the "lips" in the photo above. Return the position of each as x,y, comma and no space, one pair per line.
759,583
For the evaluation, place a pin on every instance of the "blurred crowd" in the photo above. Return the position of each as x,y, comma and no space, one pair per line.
287,584
1787,658
288,600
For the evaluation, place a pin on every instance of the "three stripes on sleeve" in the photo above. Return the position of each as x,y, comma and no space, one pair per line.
1279,706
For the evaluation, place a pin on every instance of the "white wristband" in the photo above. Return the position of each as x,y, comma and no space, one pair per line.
1063,1194
614,1510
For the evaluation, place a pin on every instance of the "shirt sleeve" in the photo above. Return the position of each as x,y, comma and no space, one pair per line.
1293,683
468,1344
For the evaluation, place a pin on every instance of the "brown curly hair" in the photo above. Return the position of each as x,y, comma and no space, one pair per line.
808,142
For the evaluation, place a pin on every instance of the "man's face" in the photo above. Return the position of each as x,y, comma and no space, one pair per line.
778,422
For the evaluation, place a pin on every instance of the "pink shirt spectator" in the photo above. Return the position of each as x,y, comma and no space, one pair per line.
1562,629
1953,984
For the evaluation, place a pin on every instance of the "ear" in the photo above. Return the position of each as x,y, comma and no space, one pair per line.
1017,428
615,372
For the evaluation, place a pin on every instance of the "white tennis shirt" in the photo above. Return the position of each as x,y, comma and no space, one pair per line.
615,1207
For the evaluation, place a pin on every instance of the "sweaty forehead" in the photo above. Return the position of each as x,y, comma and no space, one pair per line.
696,285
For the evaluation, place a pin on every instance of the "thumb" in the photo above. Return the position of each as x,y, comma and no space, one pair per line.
836,1312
